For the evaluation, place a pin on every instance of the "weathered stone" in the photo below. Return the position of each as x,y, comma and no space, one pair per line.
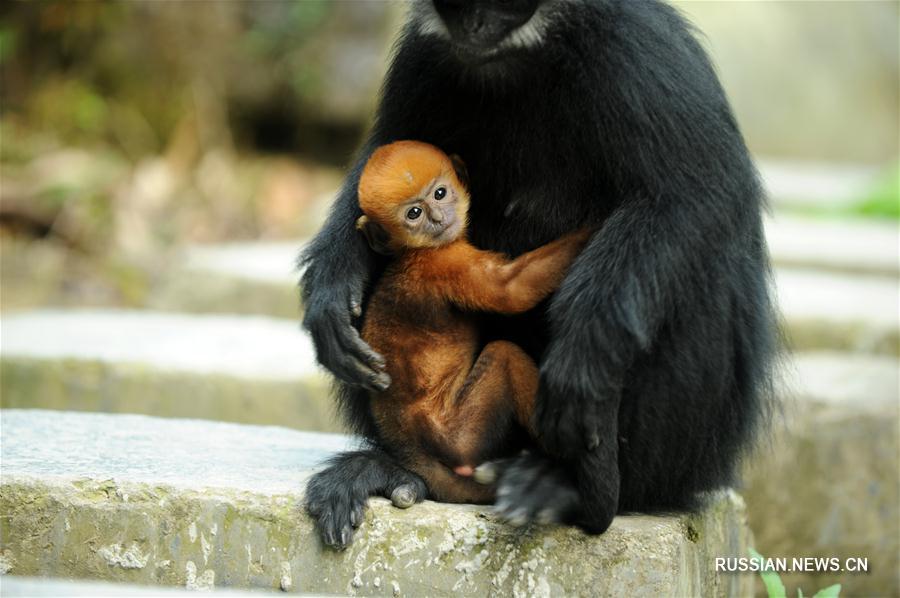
829,485
34,587
201,504
244,369
827,311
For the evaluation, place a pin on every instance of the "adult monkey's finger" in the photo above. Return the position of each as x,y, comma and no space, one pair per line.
355,300
333,354
355,308
350,340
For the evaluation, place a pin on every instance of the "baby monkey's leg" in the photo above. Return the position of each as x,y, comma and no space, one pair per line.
500,387
477,424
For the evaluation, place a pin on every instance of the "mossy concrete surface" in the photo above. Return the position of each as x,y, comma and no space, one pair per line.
199,504
829,483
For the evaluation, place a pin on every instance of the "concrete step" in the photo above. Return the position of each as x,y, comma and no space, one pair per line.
200,504
35,587
827,311
247,369
804,184
251,369
857,246
825,306
850,246
241,278
829,483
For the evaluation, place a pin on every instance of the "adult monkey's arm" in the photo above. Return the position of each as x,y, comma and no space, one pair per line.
687,203
609,307
338,263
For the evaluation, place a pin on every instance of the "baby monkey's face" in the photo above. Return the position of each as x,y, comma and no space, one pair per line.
436,216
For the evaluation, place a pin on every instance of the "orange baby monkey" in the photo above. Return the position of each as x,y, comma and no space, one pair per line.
451,404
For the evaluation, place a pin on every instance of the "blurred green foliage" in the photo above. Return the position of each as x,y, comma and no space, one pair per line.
128,128
884,201
8,40
128,74
132,127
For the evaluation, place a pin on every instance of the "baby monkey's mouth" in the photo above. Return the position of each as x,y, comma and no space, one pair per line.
444,233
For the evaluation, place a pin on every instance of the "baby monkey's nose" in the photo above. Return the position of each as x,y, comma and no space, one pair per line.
435,213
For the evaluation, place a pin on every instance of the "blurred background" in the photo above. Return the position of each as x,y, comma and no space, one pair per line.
131,129
162,162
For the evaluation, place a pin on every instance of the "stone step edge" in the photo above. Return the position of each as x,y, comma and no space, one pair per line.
126,532
89,385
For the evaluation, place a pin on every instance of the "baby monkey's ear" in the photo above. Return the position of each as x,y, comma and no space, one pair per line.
378,238
460,167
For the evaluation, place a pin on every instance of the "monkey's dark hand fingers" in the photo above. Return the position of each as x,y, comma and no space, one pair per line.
355,299
336,511
532,488
363,363
340,349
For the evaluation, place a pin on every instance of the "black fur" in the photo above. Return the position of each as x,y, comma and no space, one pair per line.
656,353
338,501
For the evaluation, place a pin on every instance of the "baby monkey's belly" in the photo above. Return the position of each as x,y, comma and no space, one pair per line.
427,375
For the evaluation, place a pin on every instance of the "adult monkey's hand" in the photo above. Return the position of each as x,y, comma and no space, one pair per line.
339,347
338,263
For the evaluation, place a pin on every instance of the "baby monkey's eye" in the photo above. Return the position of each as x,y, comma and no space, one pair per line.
440,193
413,213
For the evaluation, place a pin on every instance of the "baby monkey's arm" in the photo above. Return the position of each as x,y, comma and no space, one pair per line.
480,280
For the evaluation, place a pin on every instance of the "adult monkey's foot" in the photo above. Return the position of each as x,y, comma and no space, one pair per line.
336,497
530,488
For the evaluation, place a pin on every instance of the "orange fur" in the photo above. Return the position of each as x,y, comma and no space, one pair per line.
397,172
448,395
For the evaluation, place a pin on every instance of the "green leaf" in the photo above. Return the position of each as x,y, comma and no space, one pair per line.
829,592
799,593
772,581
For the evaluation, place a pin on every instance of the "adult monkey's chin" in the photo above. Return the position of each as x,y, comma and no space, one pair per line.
484,30
481,56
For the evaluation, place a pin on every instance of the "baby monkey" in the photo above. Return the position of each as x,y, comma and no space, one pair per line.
449,407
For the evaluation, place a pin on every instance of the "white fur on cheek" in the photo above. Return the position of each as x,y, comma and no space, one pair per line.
531,34
427,20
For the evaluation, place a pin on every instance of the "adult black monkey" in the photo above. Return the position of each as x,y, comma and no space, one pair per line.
655,353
